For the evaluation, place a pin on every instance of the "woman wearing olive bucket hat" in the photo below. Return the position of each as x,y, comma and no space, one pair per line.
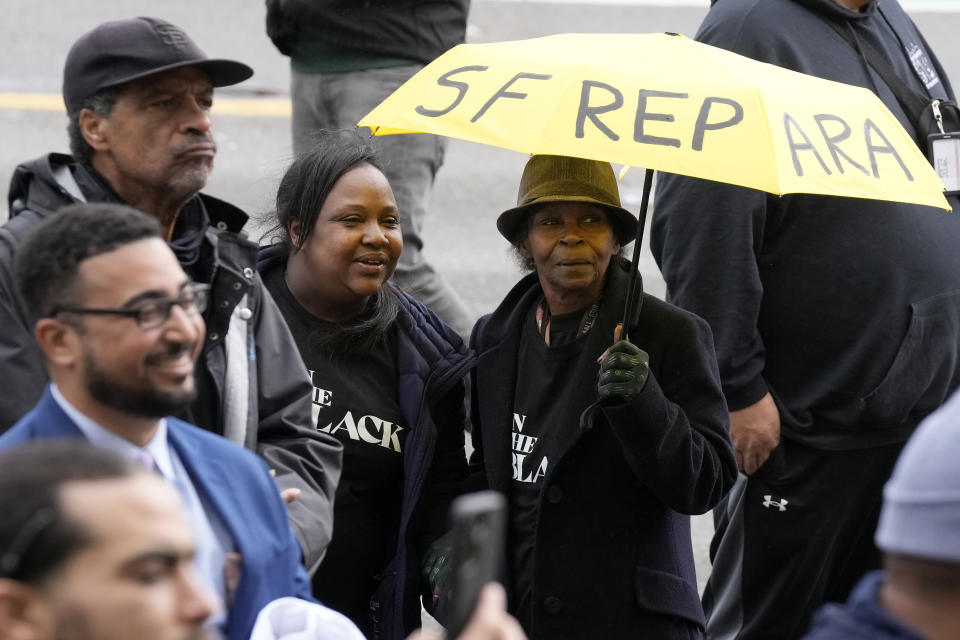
600,445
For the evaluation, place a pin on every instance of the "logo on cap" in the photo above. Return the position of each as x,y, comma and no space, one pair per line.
172,36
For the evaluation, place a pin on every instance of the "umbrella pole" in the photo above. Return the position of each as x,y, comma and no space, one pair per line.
634,264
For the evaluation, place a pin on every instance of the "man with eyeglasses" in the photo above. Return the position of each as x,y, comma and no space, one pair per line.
119,323
138,94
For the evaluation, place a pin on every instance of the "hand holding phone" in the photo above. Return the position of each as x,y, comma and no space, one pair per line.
478,533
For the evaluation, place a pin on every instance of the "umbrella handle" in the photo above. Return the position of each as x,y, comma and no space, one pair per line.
635,262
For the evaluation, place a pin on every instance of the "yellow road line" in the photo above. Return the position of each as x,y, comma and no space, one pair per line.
262,107
31,101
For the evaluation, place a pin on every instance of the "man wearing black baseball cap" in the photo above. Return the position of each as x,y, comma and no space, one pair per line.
121,51
138,94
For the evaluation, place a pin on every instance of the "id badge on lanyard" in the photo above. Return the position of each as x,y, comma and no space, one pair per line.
943,150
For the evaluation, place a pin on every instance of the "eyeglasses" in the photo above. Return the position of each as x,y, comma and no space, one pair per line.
153,313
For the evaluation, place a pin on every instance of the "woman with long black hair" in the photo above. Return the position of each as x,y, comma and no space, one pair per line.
388,379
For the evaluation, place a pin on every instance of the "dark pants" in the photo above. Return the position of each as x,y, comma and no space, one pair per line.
794,535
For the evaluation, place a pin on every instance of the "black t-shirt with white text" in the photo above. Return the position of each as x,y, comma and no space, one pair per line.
354,400
545,424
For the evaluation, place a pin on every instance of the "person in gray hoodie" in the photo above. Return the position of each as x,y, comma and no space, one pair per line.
837,325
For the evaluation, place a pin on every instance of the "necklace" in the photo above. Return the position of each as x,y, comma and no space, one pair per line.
586,322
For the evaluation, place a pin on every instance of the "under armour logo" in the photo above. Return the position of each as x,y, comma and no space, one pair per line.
172,36
768,502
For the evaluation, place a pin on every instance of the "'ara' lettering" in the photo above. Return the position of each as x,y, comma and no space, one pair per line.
875,145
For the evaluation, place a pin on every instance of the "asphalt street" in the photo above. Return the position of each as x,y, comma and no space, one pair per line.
476,182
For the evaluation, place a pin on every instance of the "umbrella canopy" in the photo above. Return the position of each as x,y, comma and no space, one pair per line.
664,102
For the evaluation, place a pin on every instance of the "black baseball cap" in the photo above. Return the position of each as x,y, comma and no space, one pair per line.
119,51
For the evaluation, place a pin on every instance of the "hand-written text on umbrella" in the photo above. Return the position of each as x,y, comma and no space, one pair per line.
716,113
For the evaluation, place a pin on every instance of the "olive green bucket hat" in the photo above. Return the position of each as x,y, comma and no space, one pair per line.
567,179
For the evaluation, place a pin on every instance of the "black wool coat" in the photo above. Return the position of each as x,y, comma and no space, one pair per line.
612,555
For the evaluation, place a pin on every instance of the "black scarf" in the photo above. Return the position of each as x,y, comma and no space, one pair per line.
188,230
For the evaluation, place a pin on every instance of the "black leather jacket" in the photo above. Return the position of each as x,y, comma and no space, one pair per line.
277,415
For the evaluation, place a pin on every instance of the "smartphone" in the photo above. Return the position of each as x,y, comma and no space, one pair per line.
479,530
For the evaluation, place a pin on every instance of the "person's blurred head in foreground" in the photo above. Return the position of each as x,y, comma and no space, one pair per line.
918,593
93,547
919,529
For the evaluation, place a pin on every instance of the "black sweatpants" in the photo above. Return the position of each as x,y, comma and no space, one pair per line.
797,533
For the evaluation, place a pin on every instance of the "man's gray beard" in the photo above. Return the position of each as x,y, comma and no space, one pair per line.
143,403
193,181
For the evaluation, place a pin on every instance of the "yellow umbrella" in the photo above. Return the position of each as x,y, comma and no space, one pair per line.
664,102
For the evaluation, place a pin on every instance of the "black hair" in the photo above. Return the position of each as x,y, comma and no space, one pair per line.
36,536
46,265
101,103
301,194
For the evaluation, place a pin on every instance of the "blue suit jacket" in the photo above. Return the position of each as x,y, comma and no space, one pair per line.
238,484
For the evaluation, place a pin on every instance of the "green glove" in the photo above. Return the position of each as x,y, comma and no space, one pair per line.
624,369
435,567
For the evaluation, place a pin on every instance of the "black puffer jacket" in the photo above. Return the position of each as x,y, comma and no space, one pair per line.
277,412
432,362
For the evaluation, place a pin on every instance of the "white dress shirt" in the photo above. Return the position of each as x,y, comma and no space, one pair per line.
212,539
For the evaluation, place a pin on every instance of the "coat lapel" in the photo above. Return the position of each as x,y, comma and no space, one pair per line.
48,420
210,479
496,383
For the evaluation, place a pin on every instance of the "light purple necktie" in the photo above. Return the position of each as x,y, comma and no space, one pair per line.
147,460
